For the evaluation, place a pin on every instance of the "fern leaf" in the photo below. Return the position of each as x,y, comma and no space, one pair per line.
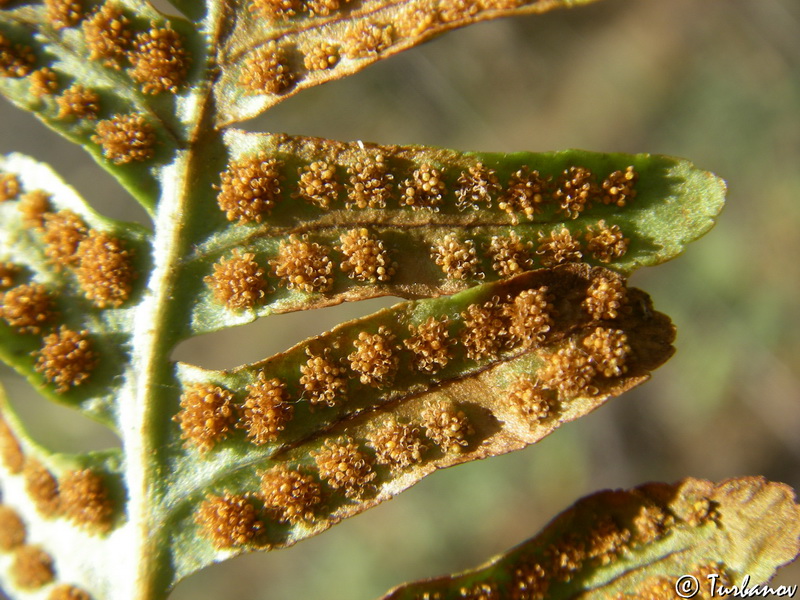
278,48
378,403
691,539
329,221
517,316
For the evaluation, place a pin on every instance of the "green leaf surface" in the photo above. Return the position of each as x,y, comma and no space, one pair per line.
60,502
673,204
43,232
691,539
401,421
72,95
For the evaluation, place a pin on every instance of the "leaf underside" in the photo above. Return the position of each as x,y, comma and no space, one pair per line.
517,317
655,541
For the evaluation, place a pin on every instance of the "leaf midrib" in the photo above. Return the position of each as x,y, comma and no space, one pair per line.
149,396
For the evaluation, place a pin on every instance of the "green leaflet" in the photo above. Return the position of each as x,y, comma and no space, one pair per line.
340,206
73,95
57,278
65,501
656,540
393,398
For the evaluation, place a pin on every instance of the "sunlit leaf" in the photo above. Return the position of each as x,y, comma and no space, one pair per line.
517,317
328,221
376,404
277,48
691,539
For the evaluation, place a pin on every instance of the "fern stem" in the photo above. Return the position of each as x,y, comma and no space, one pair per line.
141,417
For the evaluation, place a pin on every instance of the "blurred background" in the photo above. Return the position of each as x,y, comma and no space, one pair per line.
714,81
